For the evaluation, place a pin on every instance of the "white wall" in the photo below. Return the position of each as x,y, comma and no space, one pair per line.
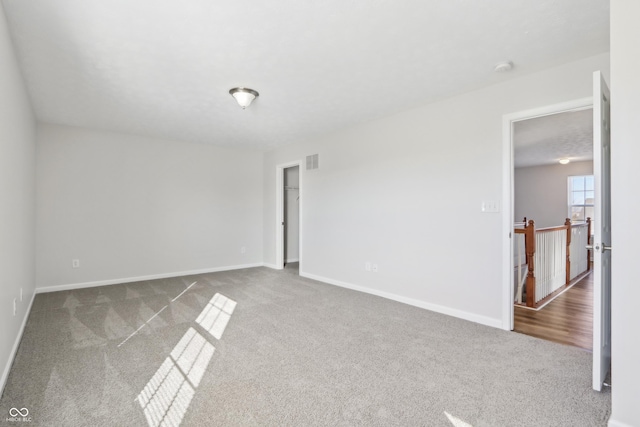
625,176
291,212
540,192
129,206
17,200
405,192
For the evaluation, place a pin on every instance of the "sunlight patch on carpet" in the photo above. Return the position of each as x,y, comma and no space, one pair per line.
215,316
457,422
168,394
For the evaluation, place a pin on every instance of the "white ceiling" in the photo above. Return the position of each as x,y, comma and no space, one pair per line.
164,68
545,140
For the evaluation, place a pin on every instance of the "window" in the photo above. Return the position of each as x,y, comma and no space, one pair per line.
581,195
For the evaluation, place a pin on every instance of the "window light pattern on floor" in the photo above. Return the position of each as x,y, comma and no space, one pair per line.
457,422
215,316
167,396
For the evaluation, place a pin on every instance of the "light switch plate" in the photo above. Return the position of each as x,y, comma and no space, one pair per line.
490,206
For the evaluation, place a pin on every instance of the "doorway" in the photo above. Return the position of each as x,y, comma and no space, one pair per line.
600,248
509,218
291,213
289,216
553,181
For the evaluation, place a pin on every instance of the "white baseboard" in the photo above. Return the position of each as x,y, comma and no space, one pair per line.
293,260
614,423
16,344
483,320
71,286
275,267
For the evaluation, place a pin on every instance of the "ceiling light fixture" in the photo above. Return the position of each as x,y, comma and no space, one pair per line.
503,67
244,96
564,160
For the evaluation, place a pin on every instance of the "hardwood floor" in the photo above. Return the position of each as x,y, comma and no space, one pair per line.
567,320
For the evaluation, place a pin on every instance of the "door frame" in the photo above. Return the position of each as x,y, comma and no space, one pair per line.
508,192
280,212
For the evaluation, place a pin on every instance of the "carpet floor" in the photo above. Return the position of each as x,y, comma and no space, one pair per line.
265,347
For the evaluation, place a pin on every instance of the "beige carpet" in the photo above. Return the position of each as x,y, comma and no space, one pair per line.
265,347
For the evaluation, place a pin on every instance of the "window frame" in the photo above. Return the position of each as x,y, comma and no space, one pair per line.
585,205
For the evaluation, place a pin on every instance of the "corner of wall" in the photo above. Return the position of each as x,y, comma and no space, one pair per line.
14,349
17,201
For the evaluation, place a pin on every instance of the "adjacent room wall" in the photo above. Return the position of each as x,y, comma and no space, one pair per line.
405,193
291,215
625,175
17,201
540,192
129,207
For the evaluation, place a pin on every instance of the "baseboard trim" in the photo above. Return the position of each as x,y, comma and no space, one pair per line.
483,320
614,423
273,266
72,286
572,283
16,344
293,260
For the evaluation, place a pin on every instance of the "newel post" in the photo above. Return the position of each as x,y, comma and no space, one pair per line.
567,223
589,243
530,249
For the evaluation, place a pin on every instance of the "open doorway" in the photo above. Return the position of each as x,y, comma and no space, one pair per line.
600,247
553,208
509,218
289,182
291,212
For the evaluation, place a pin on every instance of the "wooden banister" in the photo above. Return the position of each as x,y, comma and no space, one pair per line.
546,229
529,231
530,249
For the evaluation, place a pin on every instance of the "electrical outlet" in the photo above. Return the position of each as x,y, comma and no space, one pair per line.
374,268
367,266
75,263
15,306
243,250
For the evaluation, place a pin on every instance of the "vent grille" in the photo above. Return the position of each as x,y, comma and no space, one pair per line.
312,162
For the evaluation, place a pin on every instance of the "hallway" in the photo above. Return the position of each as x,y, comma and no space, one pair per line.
567,320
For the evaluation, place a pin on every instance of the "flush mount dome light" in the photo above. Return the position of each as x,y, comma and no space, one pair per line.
564,161
244,96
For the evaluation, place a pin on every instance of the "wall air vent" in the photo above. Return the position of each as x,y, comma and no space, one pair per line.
312,162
